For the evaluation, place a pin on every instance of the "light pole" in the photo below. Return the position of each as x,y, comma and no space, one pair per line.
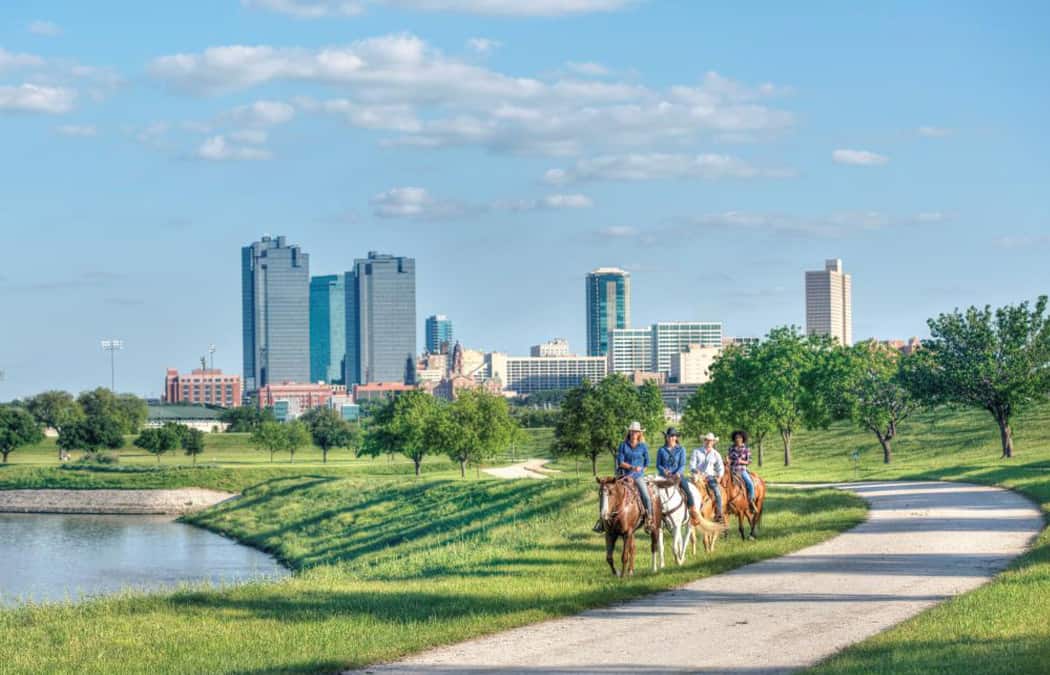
211,357
112,346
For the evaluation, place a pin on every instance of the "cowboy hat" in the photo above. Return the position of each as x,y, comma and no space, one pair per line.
711,437
671,431
635,426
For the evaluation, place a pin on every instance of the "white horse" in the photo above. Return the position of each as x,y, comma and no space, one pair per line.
675,519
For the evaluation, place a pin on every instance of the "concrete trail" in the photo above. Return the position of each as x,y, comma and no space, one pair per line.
922,543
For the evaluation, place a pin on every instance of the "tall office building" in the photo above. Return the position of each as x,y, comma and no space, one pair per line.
439,332
630,350
673,337
380,319
275,301
327,328
829,302
608,306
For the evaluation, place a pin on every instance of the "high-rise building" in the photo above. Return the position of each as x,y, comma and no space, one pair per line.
673,337
439,334
555,347
327,328
630,350
829,303
275,301
380,319
608,306
693,364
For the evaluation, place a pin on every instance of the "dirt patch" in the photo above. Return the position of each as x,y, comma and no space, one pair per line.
137,502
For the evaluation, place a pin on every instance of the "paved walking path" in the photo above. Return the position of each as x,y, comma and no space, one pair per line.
531,468
922,543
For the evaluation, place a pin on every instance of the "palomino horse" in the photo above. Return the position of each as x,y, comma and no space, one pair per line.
621,514
736,501
707,510
676,519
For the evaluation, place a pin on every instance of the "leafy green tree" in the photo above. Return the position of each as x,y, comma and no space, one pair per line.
998,361
329,430
270,436
133,412
650,406
54,408
91,433
572,432
193,443
158,441
867,384
705,412
783,359
128,410
479,427
296,436
245,419
412,424
18,428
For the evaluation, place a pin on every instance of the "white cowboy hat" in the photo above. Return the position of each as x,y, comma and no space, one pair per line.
635,426
711,437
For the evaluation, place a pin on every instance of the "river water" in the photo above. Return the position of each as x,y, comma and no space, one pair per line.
49,557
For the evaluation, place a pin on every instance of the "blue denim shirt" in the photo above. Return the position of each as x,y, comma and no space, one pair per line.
670,461
637,456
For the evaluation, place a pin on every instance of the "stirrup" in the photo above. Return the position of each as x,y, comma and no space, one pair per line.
599,526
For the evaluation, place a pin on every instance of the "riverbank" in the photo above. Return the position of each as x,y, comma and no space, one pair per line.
112,502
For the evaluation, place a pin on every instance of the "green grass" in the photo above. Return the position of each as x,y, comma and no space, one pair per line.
228,463
386,567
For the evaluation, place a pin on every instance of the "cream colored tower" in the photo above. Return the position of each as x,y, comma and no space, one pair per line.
829,302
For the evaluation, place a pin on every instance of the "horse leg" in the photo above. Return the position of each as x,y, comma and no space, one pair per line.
740,525
610,547
692,539
627,558
659,544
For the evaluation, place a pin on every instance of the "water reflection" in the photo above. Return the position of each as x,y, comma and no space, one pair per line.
58,557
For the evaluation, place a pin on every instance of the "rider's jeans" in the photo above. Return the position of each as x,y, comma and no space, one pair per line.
749,483
643,492
712,486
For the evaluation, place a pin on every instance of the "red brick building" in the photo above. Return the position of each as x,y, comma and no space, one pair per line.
302,396
200,386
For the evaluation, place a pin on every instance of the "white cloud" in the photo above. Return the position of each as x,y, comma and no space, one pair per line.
77,130
934,132
834,225
440,101
45,28
263,113
34,98
218,149
317,9
308,9
587,68
12,60
415,203
1023,241
656,166
618,232
252,136
549,202
483,46
931,217
858,157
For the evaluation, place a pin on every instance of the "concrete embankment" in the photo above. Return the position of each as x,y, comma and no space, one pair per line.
134,502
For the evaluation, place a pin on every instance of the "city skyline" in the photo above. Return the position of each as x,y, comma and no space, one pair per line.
647,137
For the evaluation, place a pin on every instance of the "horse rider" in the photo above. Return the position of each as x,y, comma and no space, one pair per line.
631,460
706,463
739,458
670,464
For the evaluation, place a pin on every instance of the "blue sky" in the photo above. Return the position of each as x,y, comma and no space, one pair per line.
716,152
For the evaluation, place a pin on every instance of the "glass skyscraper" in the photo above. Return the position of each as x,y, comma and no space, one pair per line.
608,306
439,331
275,300
327,328
380,319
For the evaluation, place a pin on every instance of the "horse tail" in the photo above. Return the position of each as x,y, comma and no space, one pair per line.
709,526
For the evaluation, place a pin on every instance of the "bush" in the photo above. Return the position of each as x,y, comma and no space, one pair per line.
97,458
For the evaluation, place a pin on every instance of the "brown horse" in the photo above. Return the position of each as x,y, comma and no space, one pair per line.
736,503
622,514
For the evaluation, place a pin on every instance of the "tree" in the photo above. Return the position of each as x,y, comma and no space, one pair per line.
329,430
783,359
133,412
193,443
158,441
736,397
296,435
997,361
866,384
594,418
128,410
54,408
18,428
245,419
269,436
411,424
479,427
91,433
650,406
